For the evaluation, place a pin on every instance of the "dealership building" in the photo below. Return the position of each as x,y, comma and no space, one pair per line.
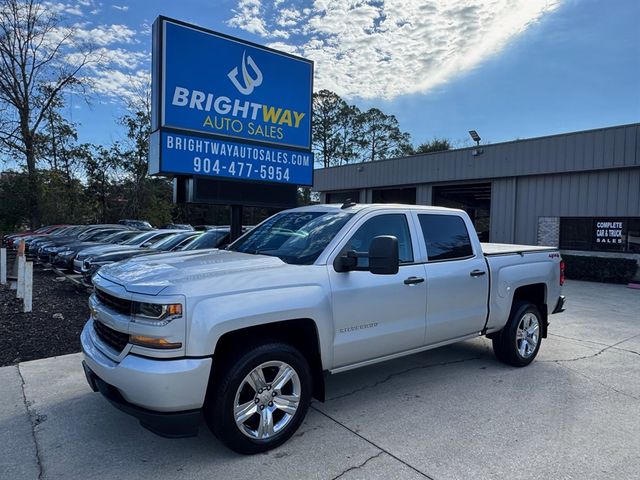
577,191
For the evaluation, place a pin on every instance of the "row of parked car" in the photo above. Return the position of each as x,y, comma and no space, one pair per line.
83,249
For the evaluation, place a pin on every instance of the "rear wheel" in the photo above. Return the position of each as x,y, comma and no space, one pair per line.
519,341
261,399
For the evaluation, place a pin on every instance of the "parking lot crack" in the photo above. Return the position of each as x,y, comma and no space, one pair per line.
599,352
356,467
579,340
373,444
396,374
34,419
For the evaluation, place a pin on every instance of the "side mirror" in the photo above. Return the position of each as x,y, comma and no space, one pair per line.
346,262
383,255
146,244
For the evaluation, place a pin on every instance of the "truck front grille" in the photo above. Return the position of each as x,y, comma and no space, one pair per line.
120,305
113,338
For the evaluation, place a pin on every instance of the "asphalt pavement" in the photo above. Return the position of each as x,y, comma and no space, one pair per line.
450,413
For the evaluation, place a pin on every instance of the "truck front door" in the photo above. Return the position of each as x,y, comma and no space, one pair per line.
378,315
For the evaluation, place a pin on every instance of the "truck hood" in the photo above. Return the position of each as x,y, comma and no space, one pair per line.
152,274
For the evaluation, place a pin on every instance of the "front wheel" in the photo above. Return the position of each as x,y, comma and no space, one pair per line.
519,341
261,398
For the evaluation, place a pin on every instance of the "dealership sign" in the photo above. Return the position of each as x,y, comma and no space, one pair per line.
225,107
609,234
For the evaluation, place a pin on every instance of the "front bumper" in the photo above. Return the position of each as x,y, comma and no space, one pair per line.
77,265
165,424
144,386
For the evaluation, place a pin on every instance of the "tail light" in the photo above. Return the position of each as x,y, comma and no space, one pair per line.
561,272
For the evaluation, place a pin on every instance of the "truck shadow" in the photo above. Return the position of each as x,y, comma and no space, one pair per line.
81,435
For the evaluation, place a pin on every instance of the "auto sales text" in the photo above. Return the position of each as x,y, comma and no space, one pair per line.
231,116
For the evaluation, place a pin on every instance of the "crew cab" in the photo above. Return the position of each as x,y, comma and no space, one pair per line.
245,336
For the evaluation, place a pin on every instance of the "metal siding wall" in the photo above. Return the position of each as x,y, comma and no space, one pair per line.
608,148
502,210
590,194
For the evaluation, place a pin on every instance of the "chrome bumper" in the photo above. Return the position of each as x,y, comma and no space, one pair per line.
154,384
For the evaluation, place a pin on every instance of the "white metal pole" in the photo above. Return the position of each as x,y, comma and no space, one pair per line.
20,292
28,286
3,266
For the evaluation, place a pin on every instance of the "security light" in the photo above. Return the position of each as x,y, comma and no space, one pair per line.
475,136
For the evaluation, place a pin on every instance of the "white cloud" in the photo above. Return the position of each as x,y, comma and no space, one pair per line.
118,85
102,58
248,16
62,8
383,49
104,35
122,8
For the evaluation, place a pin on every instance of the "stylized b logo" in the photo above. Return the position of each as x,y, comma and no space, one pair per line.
249,82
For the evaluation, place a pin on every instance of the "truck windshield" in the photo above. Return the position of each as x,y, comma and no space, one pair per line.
295,237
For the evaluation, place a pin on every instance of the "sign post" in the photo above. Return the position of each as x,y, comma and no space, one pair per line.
3,266
231,111
28,287
20,287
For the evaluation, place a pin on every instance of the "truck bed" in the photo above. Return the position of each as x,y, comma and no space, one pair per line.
492,249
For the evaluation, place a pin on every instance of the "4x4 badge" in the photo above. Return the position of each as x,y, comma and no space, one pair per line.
249,82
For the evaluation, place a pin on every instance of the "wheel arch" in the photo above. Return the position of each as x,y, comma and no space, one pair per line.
535,294
301,333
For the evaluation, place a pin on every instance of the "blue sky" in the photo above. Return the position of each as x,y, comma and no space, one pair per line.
507,68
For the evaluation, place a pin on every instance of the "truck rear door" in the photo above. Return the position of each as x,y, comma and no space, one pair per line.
457,277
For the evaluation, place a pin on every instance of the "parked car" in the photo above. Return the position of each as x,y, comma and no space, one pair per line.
9,240
68,235
139,224
143,240
245,335
180,226
46,253
56,233
171,243
63,256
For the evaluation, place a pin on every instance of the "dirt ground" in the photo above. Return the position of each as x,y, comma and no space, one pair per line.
51,329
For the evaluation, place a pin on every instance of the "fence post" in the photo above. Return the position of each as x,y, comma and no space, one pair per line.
20,291
28,286
3,266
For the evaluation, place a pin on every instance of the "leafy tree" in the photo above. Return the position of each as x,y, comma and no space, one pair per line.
13,200
349,135
56,144
34,70
100,169
327,109
381,136
435,145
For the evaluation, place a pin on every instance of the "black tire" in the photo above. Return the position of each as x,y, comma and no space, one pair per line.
505,346
219,407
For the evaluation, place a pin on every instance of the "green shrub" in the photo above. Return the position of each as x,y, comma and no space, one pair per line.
599,269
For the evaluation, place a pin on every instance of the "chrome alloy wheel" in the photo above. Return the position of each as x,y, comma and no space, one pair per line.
527,335
267,399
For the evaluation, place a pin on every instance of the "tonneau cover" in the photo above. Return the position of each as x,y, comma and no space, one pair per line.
508,248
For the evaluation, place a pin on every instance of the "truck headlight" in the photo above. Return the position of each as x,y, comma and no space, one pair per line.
155,313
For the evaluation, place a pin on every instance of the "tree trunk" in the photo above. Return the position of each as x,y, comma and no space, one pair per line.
34,184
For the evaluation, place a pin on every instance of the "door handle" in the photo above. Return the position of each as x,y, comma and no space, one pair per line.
413,280
477,273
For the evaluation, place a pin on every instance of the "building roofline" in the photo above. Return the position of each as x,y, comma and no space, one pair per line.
487,145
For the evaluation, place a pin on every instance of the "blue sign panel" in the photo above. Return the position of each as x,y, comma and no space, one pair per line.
191,155
217,85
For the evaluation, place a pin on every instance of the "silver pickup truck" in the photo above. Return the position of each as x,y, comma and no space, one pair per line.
244,336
